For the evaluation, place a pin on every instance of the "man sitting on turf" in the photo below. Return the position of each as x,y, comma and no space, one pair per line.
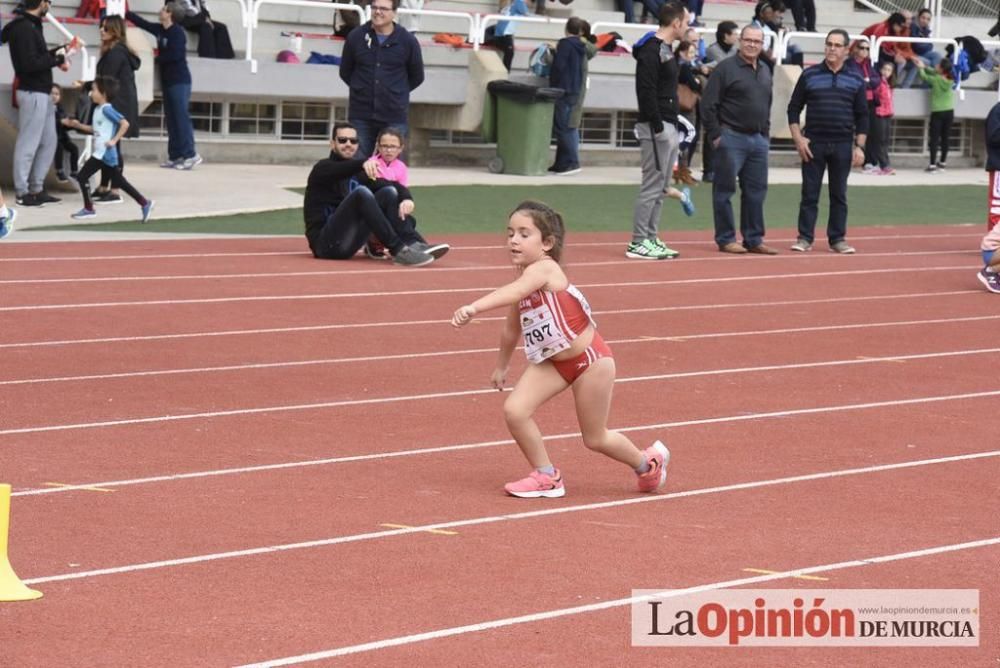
346,202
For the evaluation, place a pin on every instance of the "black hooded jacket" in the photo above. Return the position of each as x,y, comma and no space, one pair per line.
121,64
32,59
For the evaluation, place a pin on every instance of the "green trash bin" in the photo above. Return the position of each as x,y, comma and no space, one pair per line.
523,127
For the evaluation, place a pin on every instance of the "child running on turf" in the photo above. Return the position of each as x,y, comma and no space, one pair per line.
564,349
108,129
7,217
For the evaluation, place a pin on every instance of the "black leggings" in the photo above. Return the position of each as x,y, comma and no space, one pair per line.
940,129
106,171
94,165
360,215
66,144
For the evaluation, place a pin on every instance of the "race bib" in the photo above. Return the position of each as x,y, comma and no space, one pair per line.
542,337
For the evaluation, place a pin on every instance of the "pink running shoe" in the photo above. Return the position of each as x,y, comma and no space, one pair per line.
537,484
656,477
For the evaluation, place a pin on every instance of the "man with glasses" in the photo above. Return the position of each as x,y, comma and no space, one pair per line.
381,64
834,137
36,131
346,202
736,111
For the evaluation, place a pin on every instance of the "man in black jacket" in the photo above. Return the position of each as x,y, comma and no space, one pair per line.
346,202
36,136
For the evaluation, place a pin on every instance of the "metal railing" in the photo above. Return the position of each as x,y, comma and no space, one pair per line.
784,40
251,25
879,41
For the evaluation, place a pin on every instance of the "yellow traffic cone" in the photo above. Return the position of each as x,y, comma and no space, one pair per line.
11,588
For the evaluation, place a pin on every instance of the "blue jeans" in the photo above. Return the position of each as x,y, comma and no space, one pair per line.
743,156
368,133
837,157
180,132
567,138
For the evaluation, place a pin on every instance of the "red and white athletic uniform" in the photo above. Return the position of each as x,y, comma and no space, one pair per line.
550,321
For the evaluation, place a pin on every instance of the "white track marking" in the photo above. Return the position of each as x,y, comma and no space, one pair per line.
742,417
437,270
437,291
476,351
305,253
493,519
617,603
437,395
408,323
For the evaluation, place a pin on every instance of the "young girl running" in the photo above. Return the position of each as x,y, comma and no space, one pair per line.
108,129
552,318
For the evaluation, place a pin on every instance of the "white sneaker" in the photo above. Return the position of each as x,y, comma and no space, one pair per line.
189,163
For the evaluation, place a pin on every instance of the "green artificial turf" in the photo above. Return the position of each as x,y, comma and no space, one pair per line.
470,209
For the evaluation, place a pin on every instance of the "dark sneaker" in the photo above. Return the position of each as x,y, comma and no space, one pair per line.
990,279
411,257
108,198
437,251
375,250
28,199
61,177
46,198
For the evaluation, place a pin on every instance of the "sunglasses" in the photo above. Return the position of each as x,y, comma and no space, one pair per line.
347,140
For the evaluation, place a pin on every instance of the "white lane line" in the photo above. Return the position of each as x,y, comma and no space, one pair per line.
864,359
407,323
437,270
617,603
399,399
742,417
305,253
425,292
493,519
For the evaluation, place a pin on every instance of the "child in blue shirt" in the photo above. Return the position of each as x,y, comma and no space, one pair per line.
108,129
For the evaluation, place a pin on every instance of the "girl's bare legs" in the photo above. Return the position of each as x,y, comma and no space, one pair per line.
592,394
538,384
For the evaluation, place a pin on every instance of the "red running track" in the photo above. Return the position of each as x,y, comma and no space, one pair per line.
214,445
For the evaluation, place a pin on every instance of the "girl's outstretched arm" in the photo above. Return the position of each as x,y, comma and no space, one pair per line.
534,277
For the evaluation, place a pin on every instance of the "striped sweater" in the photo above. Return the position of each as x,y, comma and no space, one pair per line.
837,108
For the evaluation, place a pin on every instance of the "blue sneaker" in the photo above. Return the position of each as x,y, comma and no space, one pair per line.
7,222
686,202
147,210
83,213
